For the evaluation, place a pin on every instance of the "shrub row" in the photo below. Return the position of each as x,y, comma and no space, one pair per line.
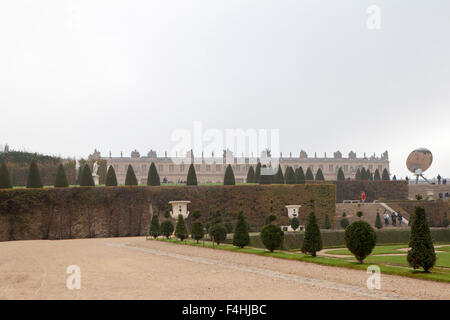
334,238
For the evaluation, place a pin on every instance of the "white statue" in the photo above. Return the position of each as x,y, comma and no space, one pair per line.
95,169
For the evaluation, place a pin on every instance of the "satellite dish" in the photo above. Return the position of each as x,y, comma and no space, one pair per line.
419,161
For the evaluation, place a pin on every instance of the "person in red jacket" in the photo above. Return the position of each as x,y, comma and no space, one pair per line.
363,197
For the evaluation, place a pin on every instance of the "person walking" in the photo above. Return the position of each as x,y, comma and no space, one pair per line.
386,218
439,178
400,218
394,219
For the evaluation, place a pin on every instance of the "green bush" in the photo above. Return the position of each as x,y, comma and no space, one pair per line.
86,177
377,176
180,229
153,176
241,237
289,175
34,177
378,223
5,179
130,178
360,239
272,237
340,175
111,178
319,175
344,223
299,176
218,233
309,175
278,177
257,173
154,226
385,175
313,240
228,179
192,176
167,228
422,252
61,178
295,223
359,214
251,175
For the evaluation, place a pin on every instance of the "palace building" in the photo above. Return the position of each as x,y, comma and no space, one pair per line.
212,169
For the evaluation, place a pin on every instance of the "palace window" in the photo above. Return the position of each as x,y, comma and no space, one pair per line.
208,167
171,168
218,168
346,167
330,168
160,167
182,168
144,168
238,168
197,167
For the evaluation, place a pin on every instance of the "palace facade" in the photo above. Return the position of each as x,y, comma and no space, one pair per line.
212,169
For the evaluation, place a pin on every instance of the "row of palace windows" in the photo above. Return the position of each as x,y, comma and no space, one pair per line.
143,169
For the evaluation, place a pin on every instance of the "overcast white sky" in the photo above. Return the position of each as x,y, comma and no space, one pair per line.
119,75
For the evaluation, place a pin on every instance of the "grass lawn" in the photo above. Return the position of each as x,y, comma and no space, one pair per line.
396,265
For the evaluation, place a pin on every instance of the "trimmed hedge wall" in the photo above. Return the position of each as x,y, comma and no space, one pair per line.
375,190
84,212
294,240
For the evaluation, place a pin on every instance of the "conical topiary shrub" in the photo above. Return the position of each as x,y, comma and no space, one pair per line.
241,237
197,227
180,229
377,176
154,227
295,223
385,175
153,176
309,175
130,178
289,175
250,175
313,240
192,176
299,176
228,179
61,178
5,179
86,177
340,175
111,178
319,175
257,173
358,174
278,177
378,223
422,252
34,177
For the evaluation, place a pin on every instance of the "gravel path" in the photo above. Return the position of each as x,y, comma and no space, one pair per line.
135,268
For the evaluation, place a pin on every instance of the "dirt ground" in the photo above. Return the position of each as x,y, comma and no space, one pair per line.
135,268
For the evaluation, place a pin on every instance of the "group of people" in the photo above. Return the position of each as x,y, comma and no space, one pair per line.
394,217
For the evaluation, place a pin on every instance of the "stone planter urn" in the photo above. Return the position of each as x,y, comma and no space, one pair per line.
179,207
293,210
